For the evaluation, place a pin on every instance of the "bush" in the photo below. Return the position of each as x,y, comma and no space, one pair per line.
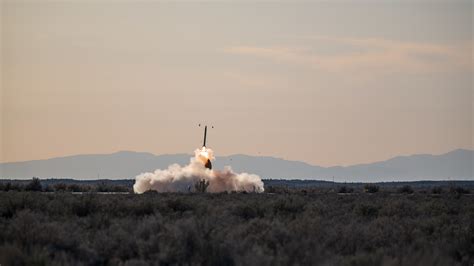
270,189
74,188
234,229
103,187
369,188
13,187
121,189
5,186
345,189
459,190
60,187
405,190
367,210
248,212
34,185
85,205
437,190
201,186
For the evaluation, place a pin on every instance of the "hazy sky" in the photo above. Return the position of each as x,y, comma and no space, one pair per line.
324,82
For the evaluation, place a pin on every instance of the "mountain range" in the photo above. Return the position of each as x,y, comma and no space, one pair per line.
454,165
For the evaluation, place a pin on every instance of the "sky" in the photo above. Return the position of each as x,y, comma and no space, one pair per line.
324,82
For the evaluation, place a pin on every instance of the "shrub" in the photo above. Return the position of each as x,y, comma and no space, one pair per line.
201,186
15,186
74,188
270,189
84,206
459,190
120,189
367,210
179,205
48,188
405,190
103,187
6,186
234,229
437,190
34,185
369,188
248,212
345,189
143,208
289,206
60,187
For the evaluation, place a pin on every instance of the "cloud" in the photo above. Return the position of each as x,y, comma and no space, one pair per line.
368,54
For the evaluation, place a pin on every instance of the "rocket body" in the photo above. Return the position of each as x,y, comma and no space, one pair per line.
205,135
208,163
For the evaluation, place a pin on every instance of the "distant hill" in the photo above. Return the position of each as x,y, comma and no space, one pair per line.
455,165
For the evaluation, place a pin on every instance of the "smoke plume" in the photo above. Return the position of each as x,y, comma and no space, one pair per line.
183,179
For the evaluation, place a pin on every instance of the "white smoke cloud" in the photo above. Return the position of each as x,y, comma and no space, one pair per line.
182,179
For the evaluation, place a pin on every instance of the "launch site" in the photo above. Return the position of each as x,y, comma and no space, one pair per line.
236,132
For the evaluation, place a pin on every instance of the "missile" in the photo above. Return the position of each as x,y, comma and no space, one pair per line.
208,164
205,134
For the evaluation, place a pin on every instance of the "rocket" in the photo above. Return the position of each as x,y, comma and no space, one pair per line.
208,164
205,135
